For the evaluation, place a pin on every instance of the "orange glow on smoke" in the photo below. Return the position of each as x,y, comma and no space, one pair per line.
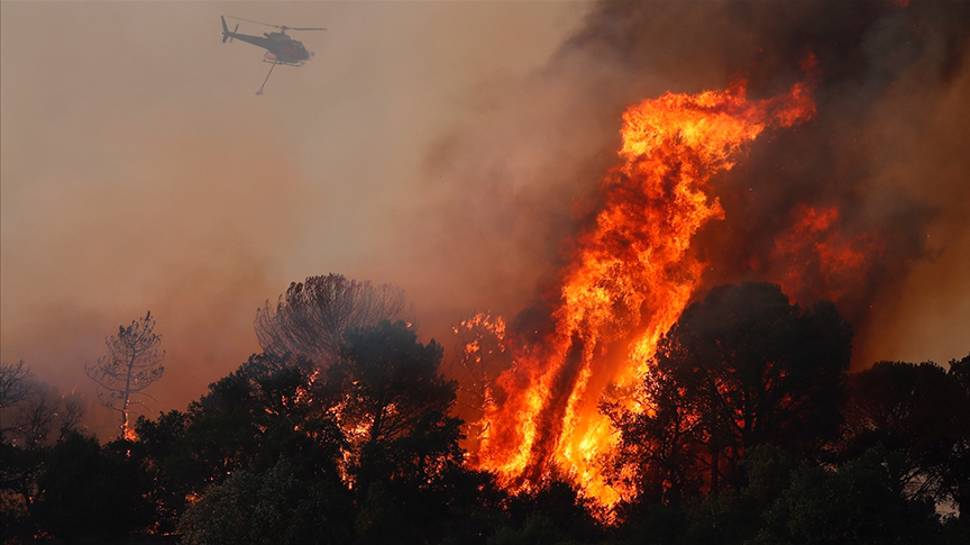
631,276
814,244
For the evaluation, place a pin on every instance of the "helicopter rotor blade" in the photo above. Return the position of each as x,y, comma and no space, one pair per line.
281,27
253,21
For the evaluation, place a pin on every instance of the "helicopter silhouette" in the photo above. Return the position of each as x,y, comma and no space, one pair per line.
280,47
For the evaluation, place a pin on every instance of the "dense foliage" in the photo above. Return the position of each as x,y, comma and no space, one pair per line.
756,434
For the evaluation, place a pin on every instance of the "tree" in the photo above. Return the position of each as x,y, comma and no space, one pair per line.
393,405
367,445
14,387
42,410
86,492
311,318
17,465
554,514
247,421
262,411
917,412
170,465
743,367
130,365
859,502
32,412
659,448
956,477
281,505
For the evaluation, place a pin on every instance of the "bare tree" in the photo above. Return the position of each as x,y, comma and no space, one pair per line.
131,364
43,411
15,387
30,409
14,383
312,317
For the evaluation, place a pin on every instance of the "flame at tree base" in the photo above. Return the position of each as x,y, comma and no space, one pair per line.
632,275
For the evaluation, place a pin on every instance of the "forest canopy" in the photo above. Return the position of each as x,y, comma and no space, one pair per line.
757,433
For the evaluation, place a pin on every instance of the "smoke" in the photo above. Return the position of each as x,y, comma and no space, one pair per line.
170,233
139,171
882,160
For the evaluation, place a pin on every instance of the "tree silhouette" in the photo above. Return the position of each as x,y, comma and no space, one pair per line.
741,368
280,505
956,476
918,412
89,493
393,405
131,363
859,502
31,412
247,421
30,409
311,318
14,387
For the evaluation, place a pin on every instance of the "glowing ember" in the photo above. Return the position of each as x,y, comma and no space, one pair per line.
479,326
130,434
630,278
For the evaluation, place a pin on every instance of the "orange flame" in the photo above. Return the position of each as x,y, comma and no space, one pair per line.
630,278
814,245
130,434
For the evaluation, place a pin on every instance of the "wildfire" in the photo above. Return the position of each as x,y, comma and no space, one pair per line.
130,434
631,276
483,324
815,255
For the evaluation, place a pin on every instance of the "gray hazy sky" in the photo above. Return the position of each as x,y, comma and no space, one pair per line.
140,171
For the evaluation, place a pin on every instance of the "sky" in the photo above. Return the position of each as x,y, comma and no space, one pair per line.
141,172
445,147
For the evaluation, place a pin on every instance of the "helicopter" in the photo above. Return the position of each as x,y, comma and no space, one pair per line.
280,47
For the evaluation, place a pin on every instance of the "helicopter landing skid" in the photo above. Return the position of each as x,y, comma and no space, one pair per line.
294,64
273,64
268,74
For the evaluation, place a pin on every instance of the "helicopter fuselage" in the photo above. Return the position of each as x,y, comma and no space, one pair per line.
279,45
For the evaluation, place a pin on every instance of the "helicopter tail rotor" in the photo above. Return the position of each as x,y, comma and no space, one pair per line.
226,35
225,29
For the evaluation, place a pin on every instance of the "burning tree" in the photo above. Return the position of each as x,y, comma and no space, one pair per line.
391,401
740,369
632,274
312,317
130,365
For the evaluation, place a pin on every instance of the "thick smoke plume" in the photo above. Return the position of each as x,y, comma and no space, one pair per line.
849,204
822,210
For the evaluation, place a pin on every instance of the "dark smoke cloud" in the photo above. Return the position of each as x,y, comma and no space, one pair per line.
884,150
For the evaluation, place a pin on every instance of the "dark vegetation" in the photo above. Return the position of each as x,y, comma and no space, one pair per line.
759,436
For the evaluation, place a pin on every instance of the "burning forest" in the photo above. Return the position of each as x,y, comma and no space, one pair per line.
632,276
674,301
